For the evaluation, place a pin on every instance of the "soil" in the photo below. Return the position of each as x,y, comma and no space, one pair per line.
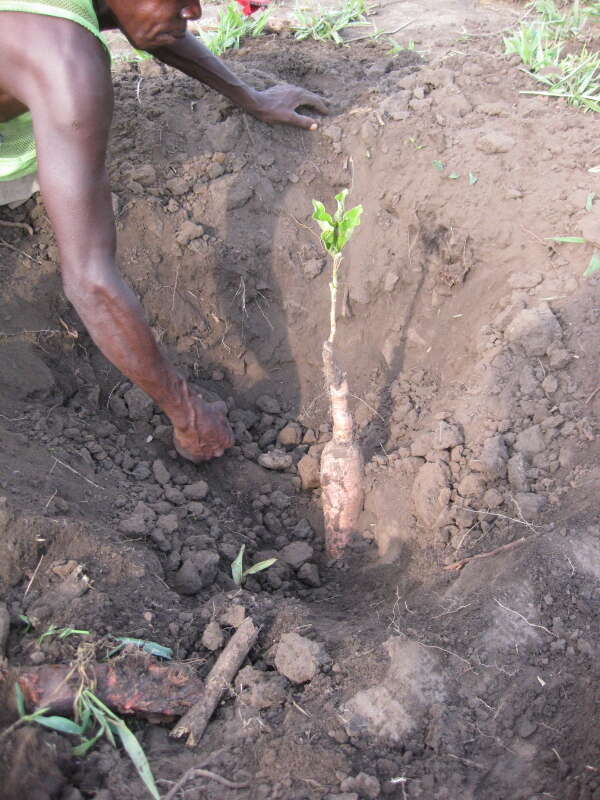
470,340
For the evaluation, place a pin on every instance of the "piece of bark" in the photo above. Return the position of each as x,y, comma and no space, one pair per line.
194,723
135,683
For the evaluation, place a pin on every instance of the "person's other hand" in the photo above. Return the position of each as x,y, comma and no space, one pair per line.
279,104
208,435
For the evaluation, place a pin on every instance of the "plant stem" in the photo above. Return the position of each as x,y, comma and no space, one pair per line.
333,287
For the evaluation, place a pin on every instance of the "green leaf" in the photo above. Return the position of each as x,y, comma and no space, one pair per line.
566,239
340,200
439,165
137,756
20,700
472,179
320,214
237,567
593,266
60,724
454,176
589,203
268,562
153,648
82,749
346,226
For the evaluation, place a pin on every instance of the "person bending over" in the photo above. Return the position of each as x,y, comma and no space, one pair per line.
56,106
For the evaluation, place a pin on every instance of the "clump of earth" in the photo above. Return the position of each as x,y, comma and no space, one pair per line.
419,669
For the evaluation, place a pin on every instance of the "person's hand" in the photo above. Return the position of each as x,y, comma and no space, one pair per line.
208,435
279,104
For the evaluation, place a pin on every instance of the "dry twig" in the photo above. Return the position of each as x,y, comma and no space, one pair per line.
23,225
194,723
198,772
510,546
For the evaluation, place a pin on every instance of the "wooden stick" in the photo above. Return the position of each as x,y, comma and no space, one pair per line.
194,723
517,543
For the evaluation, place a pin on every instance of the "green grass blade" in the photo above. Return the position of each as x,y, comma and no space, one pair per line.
237,567
60,724
268,562
593,266
566,239
137,756
20,700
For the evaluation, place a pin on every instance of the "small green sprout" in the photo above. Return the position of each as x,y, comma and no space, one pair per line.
232,27
239,574
593,266
326,26
94,719
62,633
336,231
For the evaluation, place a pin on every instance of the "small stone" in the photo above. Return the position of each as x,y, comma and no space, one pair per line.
430,492
296,554
174,495
196,491
298,658
168,523
178,186
233,616
310,437
303,530
495,142
188,231
139,405
213,637
550,384
309,574
559,357
276,460
280,500
197,572
530,505
290,435
535,329
493,458
161,473
531,441
268,404
525,280
492,499
517,472
145,175
309,471
367,786
447,435
197,510
471,486
258,689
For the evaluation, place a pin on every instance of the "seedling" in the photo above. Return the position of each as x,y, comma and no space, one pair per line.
232,27
62,633
94,720
153,648
239,574
326,26
341,461
574,77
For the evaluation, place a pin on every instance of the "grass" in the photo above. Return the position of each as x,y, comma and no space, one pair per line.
326,26
232,27
540,44
93,720
239,574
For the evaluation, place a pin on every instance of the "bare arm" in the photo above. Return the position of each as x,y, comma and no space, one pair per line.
71,105
277,104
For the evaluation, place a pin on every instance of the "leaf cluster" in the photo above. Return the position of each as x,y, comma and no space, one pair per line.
94,719
337,228
232,26
239,574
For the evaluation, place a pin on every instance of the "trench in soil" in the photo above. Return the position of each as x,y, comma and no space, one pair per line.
470,344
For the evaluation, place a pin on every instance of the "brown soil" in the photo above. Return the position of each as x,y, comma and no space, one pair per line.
471,344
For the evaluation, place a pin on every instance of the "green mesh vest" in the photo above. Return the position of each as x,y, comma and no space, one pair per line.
17,143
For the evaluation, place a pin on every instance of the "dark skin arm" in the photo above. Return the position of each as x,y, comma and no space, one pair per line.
71,104
69,93
277,104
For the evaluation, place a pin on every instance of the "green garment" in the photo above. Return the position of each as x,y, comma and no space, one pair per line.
17,142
